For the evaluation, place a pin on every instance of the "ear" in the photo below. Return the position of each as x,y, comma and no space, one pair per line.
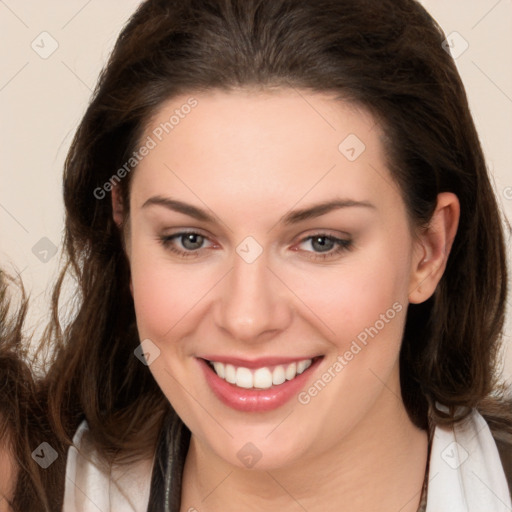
118,216
433,247
117,206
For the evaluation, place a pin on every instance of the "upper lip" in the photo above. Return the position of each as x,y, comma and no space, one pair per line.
256,363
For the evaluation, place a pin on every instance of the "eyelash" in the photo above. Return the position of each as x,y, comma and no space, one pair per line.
340,246
343,245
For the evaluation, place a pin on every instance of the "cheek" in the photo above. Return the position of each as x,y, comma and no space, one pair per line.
366,292
363,304
155,303
165,294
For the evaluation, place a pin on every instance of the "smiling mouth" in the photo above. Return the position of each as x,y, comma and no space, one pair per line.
260,378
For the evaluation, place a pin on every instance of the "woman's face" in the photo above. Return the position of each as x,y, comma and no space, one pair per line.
266,235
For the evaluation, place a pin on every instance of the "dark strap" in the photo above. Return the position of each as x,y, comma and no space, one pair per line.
156,495
171,451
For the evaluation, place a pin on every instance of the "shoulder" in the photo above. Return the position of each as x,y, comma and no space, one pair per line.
504,446
92,484
497,412
466,468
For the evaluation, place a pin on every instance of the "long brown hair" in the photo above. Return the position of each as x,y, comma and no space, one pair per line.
386,55
23,419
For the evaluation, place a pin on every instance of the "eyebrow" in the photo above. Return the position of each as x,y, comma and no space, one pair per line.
322,209
180,207
292,217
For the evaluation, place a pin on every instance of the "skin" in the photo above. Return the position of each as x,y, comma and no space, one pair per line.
8,480
248,158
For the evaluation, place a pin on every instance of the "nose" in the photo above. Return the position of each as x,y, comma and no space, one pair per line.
252,305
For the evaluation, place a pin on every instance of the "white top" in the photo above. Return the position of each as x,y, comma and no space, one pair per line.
91,487
466,475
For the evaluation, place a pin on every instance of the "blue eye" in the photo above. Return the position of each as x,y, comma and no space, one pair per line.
322,243
190,242
321,246
326,246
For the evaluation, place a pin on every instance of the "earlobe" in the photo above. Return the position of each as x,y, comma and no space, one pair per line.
433,248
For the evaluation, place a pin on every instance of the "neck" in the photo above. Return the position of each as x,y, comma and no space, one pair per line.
380,465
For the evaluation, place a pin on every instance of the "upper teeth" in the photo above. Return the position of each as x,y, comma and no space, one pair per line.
261,378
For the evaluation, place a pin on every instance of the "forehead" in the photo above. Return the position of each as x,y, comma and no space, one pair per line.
249,148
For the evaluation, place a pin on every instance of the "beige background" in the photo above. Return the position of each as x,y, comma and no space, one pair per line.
42,100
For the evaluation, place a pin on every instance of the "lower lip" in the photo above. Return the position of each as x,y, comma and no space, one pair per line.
255,400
